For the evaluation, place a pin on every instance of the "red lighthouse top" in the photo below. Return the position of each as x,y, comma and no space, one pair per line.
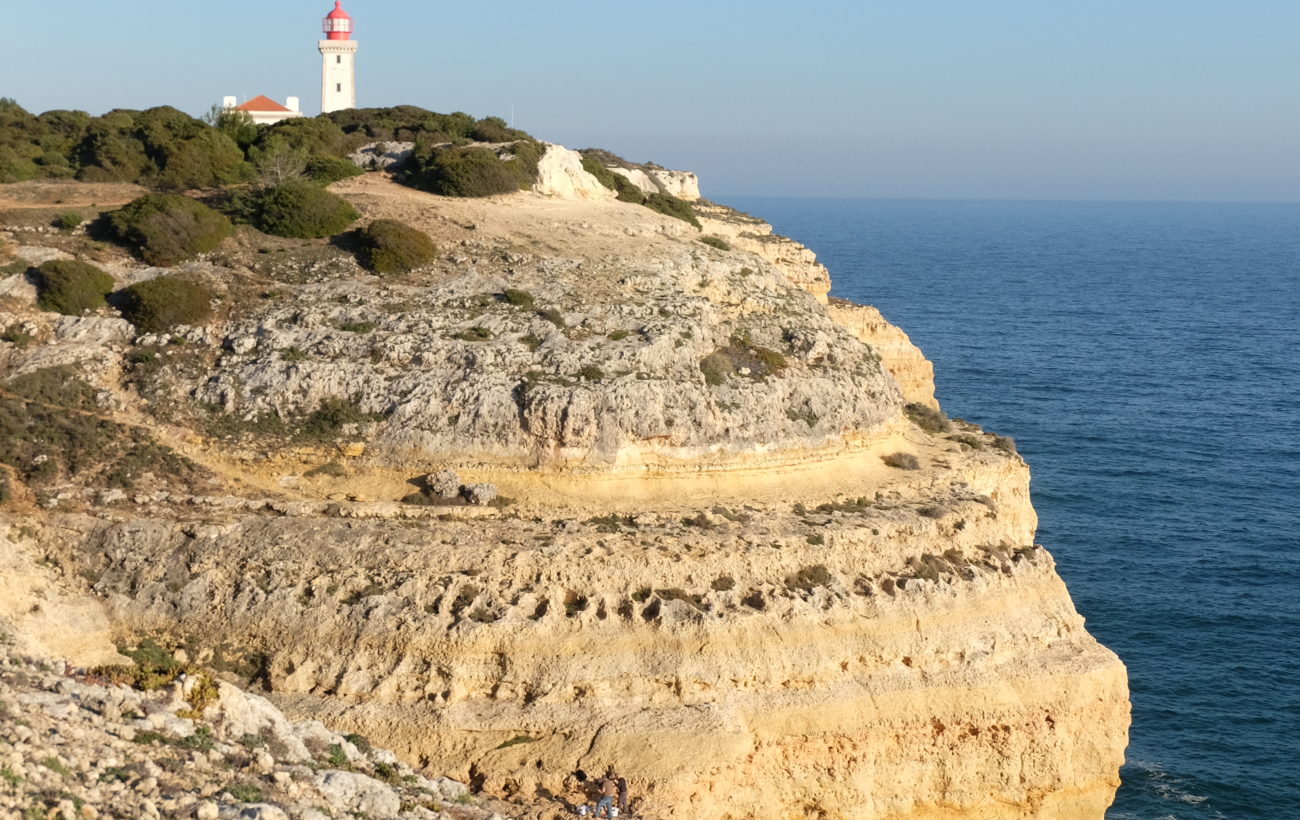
338,25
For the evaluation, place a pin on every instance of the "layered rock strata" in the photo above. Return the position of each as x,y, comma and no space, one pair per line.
733,568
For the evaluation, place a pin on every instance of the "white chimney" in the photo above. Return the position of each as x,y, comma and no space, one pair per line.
292,104
228,102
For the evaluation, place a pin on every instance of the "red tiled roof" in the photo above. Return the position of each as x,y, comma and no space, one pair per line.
261,103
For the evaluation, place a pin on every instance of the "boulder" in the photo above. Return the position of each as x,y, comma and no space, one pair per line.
479,494
444,484
357,794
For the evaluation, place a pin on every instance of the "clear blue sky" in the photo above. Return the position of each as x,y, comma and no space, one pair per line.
1095,99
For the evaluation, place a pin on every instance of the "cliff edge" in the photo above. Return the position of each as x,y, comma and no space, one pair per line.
583,492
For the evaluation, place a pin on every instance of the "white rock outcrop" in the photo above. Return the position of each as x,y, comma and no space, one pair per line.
560,173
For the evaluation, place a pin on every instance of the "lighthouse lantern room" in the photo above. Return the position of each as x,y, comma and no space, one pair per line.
338,52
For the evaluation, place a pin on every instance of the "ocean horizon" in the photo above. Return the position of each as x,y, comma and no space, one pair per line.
1142,354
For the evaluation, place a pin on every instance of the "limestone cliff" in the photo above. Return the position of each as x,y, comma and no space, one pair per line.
725,559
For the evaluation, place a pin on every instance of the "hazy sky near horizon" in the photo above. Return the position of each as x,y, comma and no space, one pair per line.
1039,99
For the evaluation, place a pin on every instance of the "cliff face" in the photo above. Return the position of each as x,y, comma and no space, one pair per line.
710,577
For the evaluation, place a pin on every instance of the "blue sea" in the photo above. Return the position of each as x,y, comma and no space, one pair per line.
1146,358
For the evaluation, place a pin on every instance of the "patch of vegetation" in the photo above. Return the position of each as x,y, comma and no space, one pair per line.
553,316
409,123
166,230
326,422
741,354
591,373
474,171
357,327
50,431
597,169
619,335
902,461
628,191
334,756
967,439
517,740
292,354
71,287
159,147
669,205
158,305
325,170
935,511
531,341
245,791
69,220
518,298
716,242
302,210
55,765
855,505
928,418
1004,444
723,583
389,246
15,335
15,267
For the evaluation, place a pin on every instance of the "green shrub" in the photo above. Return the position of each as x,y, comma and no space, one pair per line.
16,336
392,247
465,172
324,170
669,205
303,210
716,242
71,287
597,169
168,229
69,220
163,303
474,171
627,190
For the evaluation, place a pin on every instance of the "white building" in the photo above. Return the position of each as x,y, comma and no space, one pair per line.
264,110
338,50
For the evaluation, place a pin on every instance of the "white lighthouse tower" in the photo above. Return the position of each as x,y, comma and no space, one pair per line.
338,88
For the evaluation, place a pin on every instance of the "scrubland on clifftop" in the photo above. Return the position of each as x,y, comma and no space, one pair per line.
574,489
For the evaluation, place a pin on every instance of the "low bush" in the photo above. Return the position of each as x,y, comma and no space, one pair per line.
389,246
474,171
669,205
168,229
716,242
302,210
928,418
71,287
69,220
324,170
627,190
163,303
597,169
329,418
518,298
902,461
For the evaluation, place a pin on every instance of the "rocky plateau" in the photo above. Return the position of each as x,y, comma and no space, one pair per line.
585,492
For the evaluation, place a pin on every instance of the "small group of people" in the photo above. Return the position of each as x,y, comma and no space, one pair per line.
609,791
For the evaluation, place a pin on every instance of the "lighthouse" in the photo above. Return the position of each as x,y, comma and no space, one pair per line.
339,70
